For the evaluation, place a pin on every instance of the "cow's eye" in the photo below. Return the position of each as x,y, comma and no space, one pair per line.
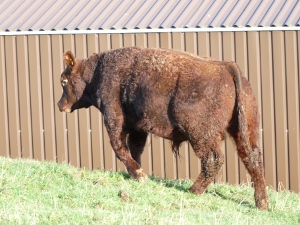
64,82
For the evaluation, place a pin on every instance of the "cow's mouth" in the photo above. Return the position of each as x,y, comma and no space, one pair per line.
65,108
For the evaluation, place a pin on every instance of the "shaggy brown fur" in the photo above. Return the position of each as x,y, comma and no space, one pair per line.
173,95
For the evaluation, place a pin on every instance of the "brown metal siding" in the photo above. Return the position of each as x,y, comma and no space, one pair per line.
292,81
280,107
72,119
13,94
33,127
36,97
60,123
47,96
24,96
268,113
4,135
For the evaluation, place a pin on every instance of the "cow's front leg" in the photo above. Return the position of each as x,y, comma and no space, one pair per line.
118,142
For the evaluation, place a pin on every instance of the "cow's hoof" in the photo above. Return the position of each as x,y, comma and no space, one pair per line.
196,190
262,205
141,177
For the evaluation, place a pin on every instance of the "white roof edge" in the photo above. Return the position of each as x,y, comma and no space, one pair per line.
156,30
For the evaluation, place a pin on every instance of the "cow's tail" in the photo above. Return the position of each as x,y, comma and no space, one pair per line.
234,69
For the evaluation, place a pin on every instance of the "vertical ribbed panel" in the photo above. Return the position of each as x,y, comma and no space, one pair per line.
61,129
4,135
72,118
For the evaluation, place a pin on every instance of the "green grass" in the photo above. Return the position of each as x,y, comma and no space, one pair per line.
34,192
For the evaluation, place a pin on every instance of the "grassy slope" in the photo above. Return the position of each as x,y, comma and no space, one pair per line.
47,193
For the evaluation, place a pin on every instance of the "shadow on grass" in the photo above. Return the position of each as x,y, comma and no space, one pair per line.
184,185
180,185
125,175
232,196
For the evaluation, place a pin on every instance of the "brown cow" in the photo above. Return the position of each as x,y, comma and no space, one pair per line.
174,95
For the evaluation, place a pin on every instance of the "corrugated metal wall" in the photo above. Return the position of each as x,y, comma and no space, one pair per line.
31,125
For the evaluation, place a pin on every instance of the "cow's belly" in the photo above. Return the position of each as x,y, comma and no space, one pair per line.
167,132
157,119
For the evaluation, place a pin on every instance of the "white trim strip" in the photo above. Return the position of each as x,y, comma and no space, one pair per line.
156,30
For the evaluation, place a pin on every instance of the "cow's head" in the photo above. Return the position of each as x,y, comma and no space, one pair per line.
73,84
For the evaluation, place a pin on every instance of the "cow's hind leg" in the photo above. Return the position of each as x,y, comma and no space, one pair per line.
253,162
136,142
211,161
251,156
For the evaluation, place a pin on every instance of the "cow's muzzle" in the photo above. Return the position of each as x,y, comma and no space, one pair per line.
64,107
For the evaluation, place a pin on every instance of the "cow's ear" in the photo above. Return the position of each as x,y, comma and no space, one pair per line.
69,59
